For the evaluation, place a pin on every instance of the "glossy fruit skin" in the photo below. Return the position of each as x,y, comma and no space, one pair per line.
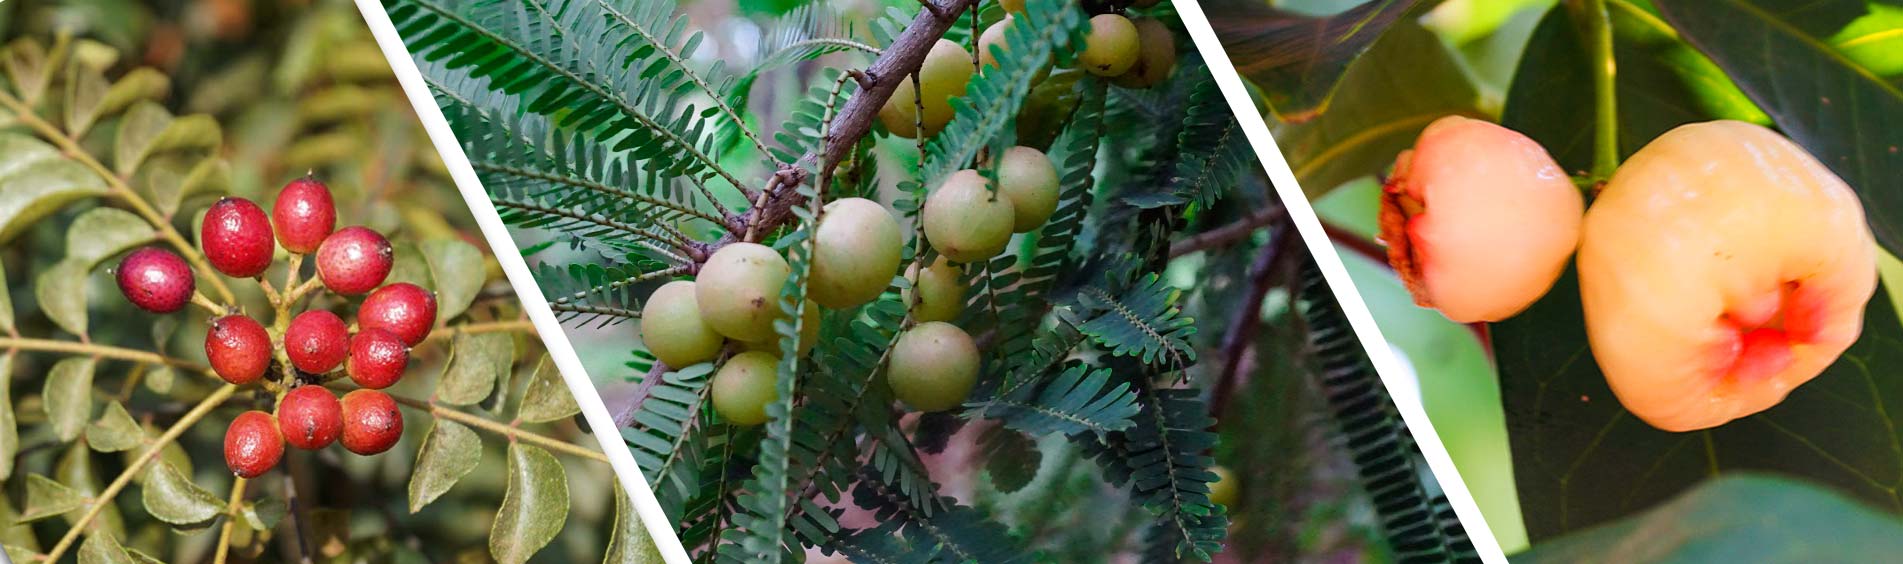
239,349
672,329
1029,179
743,387
738,290
236,237
252,444
944,74
317,341
1478,219
857,253
965,221
354,260
941,295
933,366
402,308
1722,267
809,334
1156,55
1111,48
155,280
372,422
304,214
378,358
1225,490
310,417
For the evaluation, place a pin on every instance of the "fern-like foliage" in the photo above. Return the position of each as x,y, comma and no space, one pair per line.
1145,321
1164,460
1076,401
954,534
1211,150
1044,30
1385,455
663,437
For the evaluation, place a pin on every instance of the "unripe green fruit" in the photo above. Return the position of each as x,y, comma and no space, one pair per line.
965,221
933,367
809,334
743,387
738,290
1111,47
1156,55
1029,179
857,252
1224,490
946,71
672,328
941,296
994,35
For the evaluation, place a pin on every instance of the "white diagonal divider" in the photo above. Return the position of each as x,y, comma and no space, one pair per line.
1306,223
526,290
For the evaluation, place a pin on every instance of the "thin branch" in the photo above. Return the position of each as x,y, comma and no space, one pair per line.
1248,318
99,502
231,520
507,430
1228,234
716,97
594,220
102,351
1605,88
521,325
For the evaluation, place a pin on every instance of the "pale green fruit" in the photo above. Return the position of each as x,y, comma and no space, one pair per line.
946,71
809,334
965,221
1029,179
1156,56
933,366
672,328
994,35
1111,47
857,253
1225,489
743,387
941,295
739,290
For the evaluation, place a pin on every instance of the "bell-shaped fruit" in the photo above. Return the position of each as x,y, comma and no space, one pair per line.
1029,179
946,71
738,290
672,329
857,253
965,220
933,366
743,387
1721,267
1478,219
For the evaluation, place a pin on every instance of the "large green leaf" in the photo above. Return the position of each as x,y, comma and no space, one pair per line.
477,361
449,452
99,233
1747,518
171,497
456,267
1840,110
533,508
1297,61
35,180
1406,81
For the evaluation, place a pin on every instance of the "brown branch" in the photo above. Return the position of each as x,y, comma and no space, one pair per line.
1228,234
1248,320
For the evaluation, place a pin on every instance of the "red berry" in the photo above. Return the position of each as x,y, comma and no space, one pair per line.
317,341
354,260
156,280
310,417
303,215
239,349
405,309
237,238
377,358
372,423
252,444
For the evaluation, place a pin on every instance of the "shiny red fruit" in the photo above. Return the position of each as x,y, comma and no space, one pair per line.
304,215
310,417
354,260
405,309
239,349
236,237
317,341
252,444
377,358
156,280
372,423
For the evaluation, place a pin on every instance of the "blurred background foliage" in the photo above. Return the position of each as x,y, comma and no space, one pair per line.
296,87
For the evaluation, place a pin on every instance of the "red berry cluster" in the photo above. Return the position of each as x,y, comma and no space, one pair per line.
237,239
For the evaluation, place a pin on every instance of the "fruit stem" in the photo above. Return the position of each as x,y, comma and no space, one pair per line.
99,503
102,351
1605,91
522,325
231,519
507,430
209,306
25,115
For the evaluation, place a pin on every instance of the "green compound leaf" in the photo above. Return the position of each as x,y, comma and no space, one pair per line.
61,291
35,181
456,267
148,129
68,396
46,498
477,362
102,548
171,497
630,543
546,398
9,426
449,452
533,508
99,233
114,431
